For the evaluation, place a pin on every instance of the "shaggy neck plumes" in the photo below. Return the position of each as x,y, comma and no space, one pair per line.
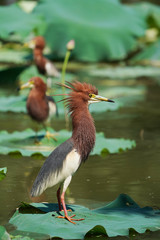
83,128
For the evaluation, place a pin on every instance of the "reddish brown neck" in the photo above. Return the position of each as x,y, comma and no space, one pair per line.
83,130
38,52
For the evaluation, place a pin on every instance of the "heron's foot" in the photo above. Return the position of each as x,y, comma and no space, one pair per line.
51,135
70,218
68,210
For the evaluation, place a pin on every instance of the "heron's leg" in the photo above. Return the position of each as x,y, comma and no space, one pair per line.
36,140
49,135
59,198
69,218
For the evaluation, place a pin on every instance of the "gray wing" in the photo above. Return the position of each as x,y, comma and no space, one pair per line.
51,167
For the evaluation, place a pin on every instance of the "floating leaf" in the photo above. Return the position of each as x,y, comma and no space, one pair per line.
23,142
126,72
113,145
115,219
13,56
3,234
3,172
13,104
98,34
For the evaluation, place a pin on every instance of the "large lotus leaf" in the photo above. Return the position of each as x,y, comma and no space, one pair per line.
3,234
15,21
23,142
98,34
3,172
115,219
150,12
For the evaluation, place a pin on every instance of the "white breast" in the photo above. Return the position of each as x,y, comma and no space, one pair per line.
70,166
51,70
52,109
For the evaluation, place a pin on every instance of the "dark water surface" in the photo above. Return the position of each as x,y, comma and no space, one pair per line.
101,179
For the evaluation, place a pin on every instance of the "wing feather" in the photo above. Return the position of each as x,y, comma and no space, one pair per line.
48,174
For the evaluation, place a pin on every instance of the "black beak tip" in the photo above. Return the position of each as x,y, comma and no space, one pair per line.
18,89
109,100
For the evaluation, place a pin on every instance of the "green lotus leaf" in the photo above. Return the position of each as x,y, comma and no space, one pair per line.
13,104
3,234
129,72
13,20
115,219
32,71
150,12
3,172
23,142
13,56
150,53
28,73
97,33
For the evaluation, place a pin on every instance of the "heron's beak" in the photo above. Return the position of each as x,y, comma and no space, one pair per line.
26,85
100,98
97,98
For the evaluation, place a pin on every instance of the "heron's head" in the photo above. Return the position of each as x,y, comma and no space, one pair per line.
37,42
34,82
82,93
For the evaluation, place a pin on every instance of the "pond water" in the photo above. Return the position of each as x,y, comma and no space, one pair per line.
100,179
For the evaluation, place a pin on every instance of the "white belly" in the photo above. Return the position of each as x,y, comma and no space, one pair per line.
70,166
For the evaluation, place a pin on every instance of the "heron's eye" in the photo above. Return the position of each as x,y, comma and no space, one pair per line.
90,95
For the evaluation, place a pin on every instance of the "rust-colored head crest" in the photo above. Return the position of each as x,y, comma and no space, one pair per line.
80,94
78,87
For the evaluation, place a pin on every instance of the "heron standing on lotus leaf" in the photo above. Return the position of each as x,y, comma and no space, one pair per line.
65,160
